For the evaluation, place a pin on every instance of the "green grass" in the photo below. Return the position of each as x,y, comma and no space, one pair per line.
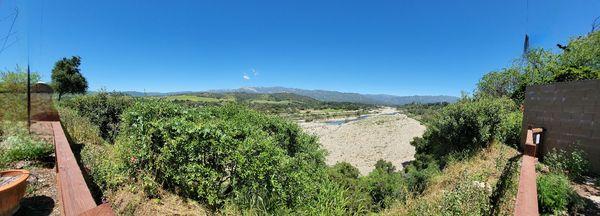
260,101
16,144
196,98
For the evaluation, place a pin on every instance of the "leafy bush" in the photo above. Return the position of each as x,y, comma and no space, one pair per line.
16,144
554,192
573,164
216,154
385,185
465,126
103,109
348,176
79,129
510,128
98,157
417,179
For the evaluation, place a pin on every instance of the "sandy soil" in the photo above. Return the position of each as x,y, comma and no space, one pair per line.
384,135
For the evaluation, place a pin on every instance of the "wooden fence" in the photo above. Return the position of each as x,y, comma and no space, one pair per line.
75,197
527,203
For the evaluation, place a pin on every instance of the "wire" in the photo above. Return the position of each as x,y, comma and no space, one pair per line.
10,30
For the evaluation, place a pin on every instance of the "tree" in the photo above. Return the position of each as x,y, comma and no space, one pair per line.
67,78
499,83
16,81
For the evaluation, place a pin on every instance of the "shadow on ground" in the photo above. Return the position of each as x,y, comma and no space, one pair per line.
36,205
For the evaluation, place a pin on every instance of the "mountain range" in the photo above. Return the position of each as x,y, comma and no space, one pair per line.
326,95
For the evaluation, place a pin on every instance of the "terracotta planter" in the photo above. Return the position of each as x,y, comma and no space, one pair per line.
11,193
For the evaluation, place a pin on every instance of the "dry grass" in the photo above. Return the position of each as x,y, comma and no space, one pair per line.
484,170
135,202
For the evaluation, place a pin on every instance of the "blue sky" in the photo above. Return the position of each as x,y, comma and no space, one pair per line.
393,47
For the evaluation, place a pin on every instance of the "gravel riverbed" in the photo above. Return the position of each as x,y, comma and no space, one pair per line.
383,135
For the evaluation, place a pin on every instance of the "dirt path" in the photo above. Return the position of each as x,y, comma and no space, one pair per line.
385,135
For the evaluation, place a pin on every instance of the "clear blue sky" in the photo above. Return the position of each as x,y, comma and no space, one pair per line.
392,47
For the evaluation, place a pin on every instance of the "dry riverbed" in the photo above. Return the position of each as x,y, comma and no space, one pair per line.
383,135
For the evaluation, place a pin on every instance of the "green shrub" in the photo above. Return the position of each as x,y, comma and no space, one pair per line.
573,164
466,126
79,129
98,157
385,185
102,109
554,193
216,154
510,128
348,176
417,178
16,144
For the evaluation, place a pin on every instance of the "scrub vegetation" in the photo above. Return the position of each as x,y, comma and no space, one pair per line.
235,154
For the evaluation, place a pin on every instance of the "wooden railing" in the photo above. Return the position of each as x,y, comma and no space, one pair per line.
75,197
527,203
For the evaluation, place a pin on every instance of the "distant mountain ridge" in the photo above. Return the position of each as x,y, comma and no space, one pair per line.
322,95
335,96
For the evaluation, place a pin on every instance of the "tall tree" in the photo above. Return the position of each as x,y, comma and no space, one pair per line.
67,77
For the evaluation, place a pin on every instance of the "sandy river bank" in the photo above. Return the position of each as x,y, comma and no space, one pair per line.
383,135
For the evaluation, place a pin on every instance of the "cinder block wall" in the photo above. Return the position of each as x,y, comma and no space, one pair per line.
569,112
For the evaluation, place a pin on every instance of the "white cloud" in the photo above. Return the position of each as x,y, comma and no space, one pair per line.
254,72
246,77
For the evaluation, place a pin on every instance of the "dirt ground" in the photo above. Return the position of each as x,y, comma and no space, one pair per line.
590,192
41,197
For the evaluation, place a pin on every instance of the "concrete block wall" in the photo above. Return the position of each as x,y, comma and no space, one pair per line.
569,113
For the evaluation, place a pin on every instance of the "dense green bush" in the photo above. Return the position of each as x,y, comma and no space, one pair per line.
348,176
385,185
510,128
216,154
79,128
103,109
554,193
16,144
467,125
417,178
573,164
98,157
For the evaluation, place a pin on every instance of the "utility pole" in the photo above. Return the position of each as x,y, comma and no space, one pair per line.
28,99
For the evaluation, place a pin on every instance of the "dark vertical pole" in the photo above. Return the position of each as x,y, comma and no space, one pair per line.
28,99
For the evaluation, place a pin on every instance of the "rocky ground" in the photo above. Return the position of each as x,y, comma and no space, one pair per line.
384,135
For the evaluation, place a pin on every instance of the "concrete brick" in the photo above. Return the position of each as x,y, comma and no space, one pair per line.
570,114
573,108
591,108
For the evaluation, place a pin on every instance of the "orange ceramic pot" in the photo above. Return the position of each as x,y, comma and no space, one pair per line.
11,193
